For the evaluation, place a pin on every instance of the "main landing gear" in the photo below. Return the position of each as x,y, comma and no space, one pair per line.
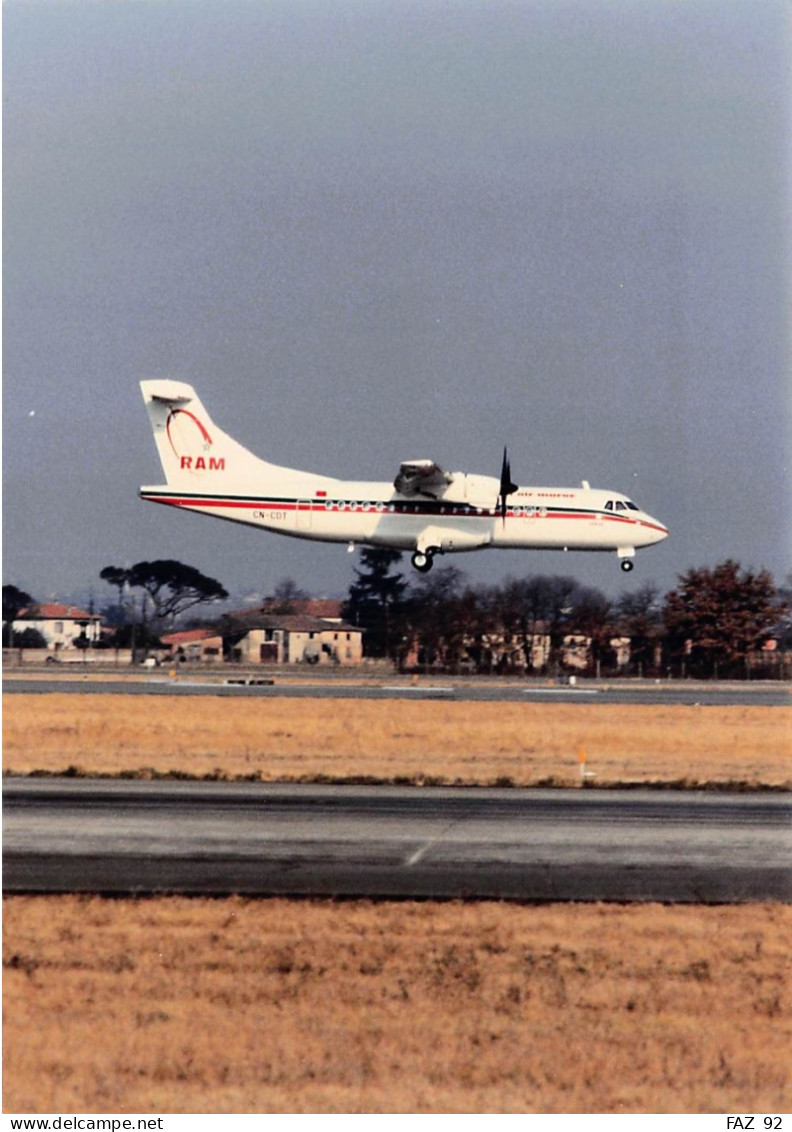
423,560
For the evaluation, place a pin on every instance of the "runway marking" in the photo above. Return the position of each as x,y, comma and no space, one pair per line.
416,857
416,688
420,853
560,691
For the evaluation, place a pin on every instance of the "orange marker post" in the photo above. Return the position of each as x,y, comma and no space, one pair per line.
584,774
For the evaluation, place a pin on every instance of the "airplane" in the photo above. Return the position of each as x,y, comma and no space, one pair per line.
426,510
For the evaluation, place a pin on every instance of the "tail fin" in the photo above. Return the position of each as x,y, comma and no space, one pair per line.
193,450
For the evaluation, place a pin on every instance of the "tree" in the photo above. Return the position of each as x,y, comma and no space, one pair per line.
287,594
14,600
436,617
30,639
639,617
547,608
538,607
513,622
715,618
172,586
784,614
116,576
117,615
376,600
592,618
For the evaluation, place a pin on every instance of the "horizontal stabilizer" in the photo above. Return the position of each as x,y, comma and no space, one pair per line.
168,392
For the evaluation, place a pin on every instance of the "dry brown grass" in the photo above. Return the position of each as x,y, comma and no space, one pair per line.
299,739
176,1006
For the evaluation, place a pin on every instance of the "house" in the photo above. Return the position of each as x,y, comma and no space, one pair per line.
61,626
259,637
503,651
191,645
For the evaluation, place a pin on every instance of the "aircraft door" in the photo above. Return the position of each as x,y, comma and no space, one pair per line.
304,508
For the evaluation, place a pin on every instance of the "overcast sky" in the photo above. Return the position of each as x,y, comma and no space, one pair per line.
376,230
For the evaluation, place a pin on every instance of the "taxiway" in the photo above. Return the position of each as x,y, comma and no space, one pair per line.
627,692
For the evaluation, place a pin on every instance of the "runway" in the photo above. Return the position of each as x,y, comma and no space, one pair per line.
481,690
122,837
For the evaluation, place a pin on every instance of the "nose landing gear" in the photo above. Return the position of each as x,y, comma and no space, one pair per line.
627,564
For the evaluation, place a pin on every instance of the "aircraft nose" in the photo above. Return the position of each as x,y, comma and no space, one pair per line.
655,529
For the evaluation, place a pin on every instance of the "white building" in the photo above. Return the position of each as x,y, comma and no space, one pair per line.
59,625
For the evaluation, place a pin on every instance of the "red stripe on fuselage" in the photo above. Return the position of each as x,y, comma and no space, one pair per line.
405,509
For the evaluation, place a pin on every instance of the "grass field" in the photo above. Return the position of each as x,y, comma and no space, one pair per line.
397,741
172,1005
176,1005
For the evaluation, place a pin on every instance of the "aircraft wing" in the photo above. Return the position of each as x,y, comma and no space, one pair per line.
422,477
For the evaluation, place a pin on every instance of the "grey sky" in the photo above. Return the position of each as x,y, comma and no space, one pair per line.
374,230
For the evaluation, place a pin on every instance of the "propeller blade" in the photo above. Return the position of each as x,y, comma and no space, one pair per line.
506,484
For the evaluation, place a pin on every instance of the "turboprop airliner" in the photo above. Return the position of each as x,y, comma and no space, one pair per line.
425,510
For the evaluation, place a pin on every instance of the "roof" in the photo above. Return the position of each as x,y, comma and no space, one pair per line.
54,611
325,607
188,636
291,622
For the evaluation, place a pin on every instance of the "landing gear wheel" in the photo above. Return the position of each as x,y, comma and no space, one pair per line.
627,565
422,561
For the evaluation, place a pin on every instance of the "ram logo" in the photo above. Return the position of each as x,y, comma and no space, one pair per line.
188,434
203,463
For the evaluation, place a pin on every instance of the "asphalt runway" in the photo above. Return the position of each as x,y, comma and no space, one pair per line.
127,837
647,692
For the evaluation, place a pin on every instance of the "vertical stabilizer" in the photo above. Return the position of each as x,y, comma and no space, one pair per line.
194,452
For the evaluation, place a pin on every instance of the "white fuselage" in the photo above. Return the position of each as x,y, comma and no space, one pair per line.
465,518
425,510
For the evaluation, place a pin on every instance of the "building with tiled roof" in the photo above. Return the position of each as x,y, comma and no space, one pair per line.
194,645
258,637
60,625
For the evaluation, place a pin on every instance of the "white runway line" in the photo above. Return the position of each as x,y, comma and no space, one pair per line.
416,688
560,691
419,854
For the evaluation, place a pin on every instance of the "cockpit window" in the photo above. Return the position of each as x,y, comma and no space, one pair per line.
620,506
609,505
631,505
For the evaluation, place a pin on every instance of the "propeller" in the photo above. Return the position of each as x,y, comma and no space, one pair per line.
506,485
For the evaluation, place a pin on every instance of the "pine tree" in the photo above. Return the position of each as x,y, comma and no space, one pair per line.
376,600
